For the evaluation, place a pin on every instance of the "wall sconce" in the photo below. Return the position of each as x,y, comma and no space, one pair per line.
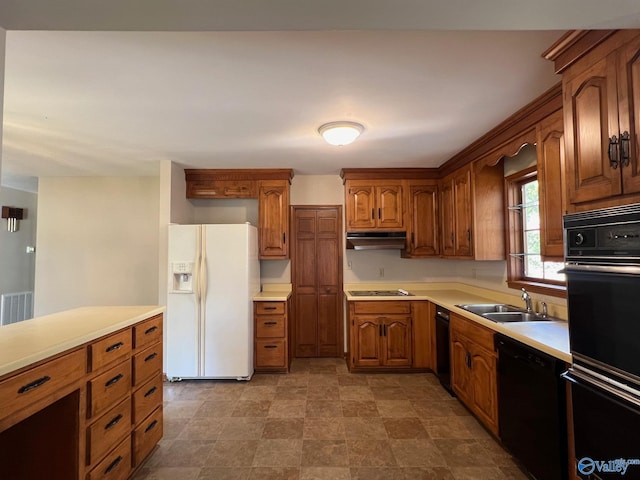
12,215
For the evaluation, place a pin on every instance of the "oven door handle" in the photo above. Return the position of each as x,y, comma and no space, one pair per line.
612,268
601,388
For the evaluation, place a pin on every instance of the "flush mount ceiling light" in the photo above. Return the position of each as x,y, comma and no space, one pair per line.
340,133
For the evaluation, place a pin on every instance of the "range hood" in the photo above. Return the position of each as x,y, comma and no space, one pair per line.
376,240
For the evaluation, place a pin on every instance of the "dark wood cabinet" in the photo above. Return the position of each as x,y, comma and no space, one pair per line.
473,369
317,280
422,226
551,184
271,336
273,219
457,210
601,95
381,335
374,204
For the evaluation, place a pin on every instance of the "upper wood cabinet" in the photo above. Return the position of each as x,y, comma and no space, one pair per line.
423,234
374,204
269,186
551,182
601,96
273,219
471,212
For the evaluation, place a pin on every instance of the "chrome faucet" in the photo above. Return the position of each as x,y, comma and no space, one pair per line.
527,300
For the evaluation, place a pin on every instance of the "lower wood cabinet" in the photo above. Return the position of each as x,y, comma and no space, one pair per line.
271,344
473,369
389,335
92,413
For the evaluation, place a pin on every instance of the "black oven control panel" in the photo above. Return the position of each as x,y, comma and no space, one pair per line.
612,233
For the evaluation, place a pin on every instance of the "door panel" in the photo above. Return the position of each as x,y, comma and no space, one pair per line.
629,102
361,207
463,214
485,387
424,220
306,318
397,342
390,206
328,334
447,220
367,341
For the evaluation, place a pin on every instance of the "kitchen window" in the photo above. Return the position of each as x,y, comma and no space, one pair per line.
525,265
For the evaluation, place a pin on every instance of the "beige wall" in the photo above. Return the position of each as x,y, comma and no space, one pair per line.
97,242
17,266
3,38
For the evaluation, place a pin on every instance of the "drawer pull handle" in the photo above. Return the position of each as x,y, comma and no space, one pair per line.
34,384
150,330
113,465
151,391
114,380
151,426
270,323
269,308
270,346
115,346
151,357
113,422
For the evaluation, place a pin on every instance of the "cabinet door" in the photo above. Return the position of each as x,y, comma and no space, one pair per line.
396,341
463,213
551,181
629,110
591,118
485,388
361,206
447,218
423,220
273,206
390,206
366,341
460,373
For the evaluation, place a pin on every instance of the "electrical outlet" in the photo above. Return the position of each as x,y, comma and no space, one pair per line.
349,265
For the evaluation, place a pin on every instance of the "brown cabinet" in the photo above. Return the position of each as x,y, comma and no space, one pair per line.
374,205
271,332
380,334
551,184
471,218
423,234
601,94
269,186
473,369
273,219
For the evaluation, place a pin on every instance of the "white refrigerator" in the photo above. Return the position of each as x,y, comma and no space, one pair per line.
214,273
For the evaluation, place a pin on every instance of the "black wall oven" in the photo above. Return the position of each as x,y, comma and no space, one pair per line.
602,252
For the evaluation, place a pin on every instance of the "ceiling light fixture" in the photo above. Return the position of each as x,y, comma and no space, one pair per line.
340,133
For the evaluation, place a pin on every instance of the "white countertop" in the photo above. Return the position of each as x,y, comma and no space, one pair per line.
551,337
24,343
273,292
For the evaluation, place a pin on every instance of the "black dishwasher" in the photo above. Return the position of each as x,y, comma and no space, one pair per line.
532,408
443,368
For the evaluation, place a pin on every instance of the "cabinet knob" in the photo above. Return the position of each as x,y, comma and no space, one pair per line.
613,152
624,149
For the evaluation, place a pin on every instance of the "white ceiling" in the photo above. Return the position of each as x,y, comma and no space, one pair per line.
115,103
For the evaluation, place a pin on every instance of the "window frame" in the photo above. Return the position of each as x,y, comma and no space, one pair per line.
514,239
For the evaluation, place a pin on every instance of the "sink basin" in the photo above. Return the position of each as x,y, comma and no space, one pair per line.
504,317
482,308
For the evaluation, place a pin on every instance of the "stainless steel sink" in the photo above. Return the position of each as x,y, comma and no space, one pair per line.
504,313
482,308
504,317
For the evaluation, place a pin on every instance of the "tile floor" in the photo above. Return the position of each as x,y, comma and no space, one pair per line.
321,422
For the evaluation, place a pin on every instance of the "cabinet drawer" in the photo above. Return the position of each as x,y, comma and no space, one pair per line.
480,335
147,398
270,353
110,349
107,430
147,332
269,326
382,307
106,389
40,382
116,465
146,363
146,436
270,308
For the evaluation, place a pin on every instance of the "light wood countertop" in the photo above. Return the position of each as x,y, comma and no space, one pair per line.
273,292
551,337
30,341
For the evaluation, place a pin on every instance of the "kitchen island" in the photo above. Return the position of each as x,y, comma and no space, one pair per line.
81,393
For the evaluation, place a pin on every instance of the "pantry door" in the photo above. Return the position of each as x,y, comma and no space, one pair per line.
316,271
